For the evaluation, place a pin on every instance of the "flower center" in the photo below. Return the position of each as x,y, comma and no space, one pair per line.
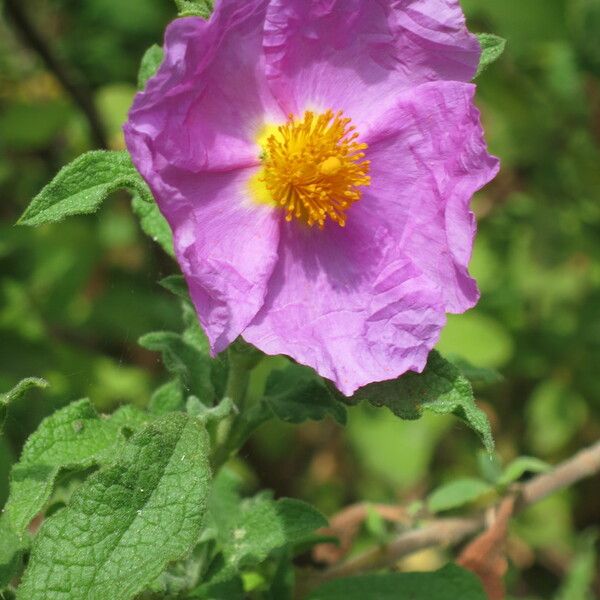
314,168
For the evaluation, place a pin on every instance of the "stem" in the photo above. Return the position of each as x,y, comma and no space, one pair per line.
236,389
450,531
237,380
79,93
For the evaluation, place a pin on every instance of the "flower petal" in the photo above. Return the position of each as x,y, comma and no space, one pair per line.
428,157
356,55
226,247
349,304
204,108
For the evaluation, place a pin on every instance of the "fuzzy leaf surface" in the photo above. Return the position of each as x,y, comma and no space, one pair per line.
128,520
441,388
153,224
184,357
492,47
264,525
80,187
295,396
72,437
202,8
17,393
149,64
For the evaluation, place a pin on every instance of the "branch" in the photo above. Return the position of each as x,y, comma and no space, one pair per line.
78,93
447,532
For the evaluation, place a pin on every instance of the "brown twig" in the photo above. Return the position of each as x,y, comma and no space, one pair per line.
450,531
78,92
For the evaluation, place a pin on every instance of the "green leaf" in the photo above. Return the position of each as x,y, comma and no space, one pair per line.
149,65
263,526
492,47
457,493
202,8
81,186
449,583
295,395
183,357
167,398
177,285
518,467
10,551
74,437
127,521
476,375
440,388
153,223
17,393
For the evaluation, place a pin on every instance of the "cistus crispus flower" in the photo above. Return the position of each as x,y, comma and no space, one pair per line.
315,160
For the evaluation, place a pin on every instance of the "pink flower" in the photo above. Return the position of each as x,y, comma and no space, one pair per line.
316,160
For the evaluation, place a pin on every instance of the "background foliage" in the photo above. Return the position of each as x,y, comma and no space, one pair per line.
76,297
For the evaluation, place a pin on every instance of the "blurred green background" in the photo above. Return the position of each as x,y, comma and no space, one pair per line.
75,297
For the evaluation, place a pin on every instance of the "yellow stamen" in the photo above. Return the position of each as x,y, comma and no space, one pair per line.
313,168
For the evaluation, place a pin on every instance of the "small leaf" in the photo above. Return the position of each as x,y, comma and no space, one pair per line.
202,8
263,526
149,64
295,395
440,388
127,521
476,375
81,187
518,467
184,359
177,285
210,415
492,47
167,398
72,437
449,583
457,493
17,393
153,224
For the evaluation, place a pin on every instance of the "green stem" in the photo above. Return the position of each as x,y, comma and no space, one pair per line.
236,390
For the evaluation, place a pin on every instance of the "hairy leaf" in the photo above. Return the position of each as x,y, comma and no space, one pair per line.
127,521
17,393
153,223
202,8
73,437
149,65
81,187
440,388
295,395
167,398
449,583
177,285
264,525
492,47
185,358
457,493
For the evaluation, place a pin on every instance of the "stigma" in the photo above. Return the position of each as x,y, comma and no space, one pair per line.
314,168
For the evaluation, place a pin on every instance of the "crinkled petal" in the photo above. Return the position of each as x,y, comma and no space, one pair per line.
206,105
192,135
428,157
226,247
348,303
356,55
